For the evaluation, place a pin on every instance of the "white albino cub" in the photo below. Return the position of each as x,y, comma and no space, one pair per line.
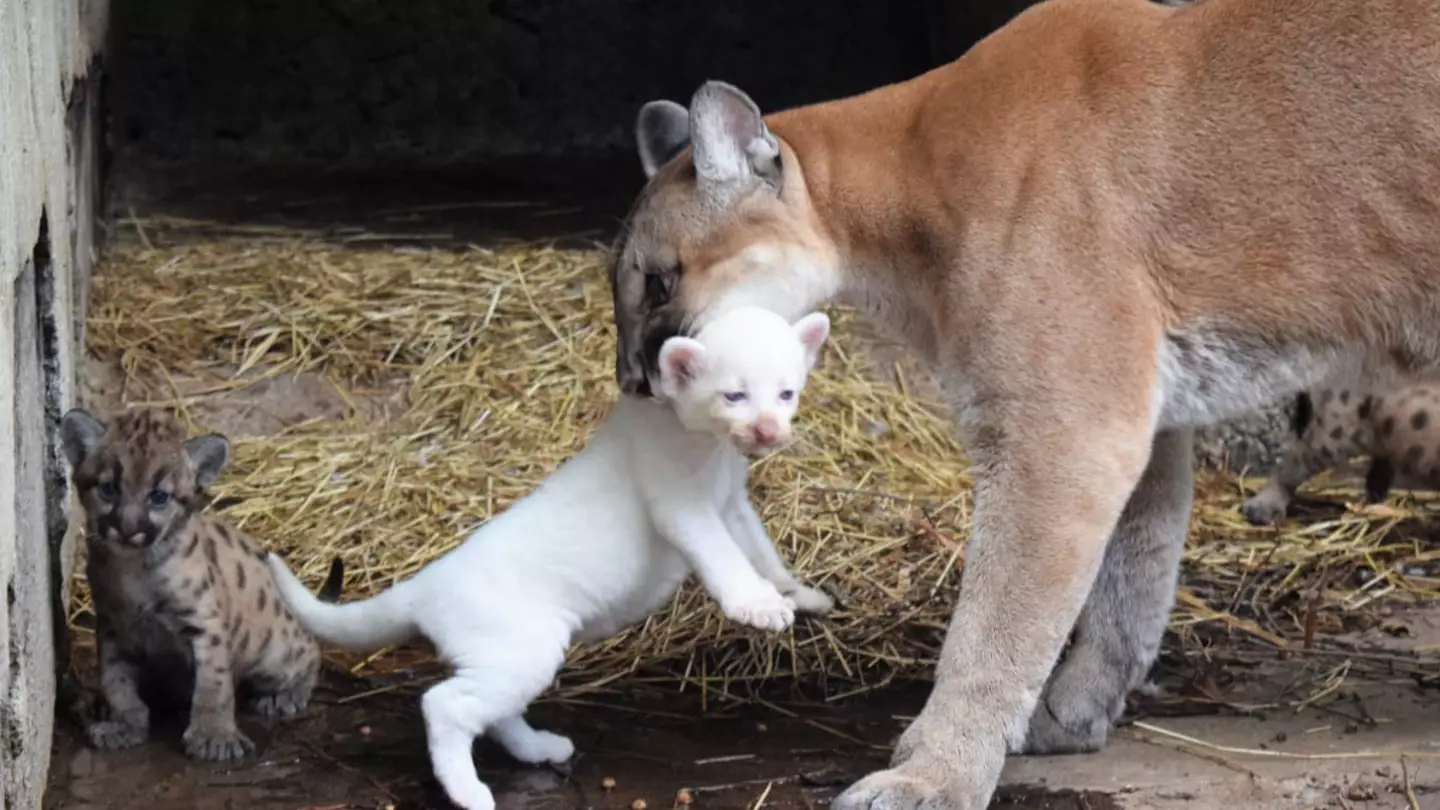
659,490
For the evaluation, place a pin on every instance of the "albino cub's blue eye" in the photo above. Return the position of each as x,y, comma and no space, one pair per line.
158,498
735,396
787,395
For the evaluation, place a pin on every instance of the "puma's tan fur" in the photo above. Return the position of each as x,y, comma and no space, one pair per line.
1105,224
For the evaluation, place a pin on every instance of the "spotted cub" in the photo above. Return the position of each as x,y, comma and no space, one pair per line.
184,604
1400,431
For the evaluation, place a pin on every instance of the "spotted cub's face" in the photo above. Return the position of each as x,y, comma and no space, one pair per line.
741,376
140,477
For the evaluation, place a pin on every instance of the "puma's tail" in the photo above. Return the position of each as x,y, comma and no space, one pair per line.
362,626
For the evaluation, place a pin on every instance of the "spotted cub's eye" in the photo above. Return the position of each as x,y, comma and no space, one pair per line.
787,395
108,491
734,396
159,498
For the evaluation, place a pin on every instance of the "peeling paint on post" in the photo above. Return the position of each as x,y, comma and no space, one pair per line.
48,146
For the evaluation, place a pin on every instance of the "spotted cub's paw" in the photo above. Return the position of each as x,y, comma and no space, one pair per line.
284,704
810,600
216,744
767,609
113,736
1263,510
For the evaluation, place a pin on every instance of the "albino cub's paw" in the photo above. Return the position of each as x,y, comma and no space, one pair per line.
766,609
216,744
810,600
471,797
547,746
113,736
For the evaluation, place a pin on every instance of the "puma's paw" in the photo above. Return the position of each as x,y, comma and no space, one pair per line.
810,600
766,609
935,766
1084,729
896,790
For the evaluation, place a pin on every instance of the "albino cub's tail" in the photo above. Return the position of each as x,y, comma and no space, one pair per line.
361,626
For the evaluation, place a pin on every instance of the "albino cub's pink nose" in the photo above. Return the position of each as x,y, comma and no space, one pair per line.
764,432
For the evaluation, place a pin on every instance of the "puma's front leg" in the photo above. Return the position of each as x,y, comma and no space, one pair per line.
1119,631
1053,473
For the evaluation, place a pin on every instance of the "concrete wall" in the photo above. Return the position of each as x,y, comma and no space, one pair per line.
48,175
362,81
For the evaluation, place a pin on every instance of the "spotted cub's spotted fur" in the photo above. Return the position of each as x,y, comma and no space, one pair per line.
183,602
1400,431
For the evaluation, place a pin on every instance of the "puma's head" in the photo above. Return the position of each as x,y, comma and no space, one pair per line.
725,220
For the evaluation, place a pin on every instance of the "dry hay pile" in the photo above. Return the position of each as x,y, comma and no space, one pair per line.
505,361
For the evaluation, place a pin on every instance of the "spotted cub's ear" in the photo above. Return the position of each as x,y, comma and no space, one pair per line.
812,330
682,360
208,456
80,434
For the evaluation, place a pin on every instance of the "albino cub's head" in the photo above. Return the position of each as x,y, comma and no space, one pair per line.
740,377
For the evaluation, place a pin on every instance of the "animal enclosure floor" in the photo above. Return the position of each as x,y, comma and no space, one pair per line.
1314,730
361,745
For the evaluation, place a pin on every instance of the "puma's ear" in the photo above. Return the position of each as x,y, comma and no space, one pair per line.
80,434
661,130
812,330
682,360
730,139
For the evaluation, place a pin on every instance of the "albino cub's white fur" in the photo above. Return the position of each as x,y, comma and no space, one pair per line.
659,490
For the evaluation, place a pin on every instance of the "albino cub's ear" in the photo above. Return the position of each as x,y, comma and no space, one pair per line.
661,130
80,434
681,361
812,330
208,455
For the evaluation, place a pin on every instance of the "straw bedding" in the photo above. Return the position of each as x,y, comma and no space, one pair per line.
502,360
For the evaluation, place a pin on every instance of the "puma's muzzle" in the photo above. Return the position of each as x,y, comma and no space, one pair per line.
637,358
645,318
627,286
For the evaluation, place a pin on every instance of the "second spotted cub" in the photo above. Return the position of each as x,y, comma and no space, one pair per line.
181,598
1398,428
659,490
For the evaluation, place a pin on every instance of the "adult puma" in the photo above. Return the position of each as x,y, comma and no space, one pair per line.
1105,224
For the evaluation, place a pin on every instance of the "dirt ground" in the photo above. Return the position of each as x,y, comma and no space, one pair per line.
1208,738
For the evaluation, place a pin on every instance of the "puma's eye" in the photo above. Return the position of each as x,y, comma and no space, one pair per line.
787,395
734,396
158,498
108,491
659,286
